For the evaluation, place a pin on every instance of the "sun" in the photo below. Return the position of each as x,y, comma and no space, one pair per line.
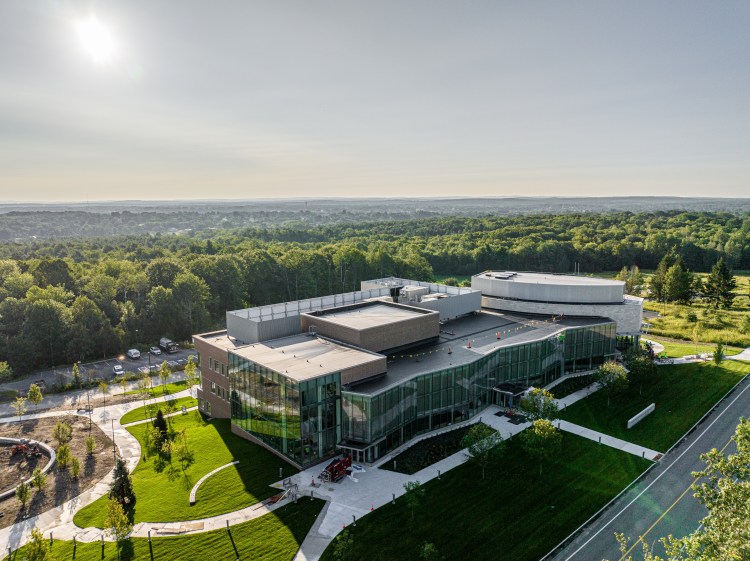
97,40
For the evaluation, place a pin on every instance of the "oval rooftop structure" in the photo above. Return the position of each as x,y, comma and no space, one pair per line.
541,287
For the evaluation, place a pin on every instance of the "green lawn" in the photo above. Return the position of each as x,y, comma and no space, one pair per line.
161,500
159,390
682,394
676,349
142,413
514,514
273,537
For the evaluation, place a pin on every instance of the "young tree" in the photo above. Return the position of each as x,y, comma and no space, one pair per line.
75,467
191,372
633,279
539,404
117,523
122,487
22,493
541,441
76,376
62,433
719,286
164,373
642,368
90,445
104,390
38,479
612,379
6,372
719,353
38,548
484,445
35,395
413,495
123,384
19,406
160,423
182,452
63,456
678,284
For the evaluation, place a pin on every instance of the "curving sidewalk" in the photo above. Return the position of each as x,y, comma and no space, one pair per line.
59,520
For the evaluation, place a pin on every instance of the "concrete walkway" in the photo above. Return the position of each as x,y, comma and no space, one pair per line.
354,498
78,398
610,441
744,355
59,520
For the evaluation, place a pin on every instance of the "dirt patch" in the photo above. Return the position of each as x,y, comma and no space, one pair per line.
60,486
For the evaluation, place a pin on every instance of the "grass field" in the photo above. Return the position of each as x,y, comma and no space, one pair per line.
726,327
676,349
513,514
273,537
166,389
682,394
142,413
159,499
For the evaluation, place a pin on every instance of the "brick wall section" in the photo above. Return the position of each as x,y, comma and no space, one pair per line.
219,401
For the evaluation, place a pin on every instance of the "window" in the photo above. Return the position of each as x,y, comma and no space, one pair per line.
213,387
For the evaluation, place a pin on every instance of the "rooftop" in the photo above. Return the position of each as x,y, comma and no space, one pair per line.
220,339
548,278
482,330
302,357
371,315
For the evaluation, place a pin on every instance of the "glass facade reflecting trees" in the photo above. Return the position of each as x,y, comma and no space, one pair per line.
306,420
301,420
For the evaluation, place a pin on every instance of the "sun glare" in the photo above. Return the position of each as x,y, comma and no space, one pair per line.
96,40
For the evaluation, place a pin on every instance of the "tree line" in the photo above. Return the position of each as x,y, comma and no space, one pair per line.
78,299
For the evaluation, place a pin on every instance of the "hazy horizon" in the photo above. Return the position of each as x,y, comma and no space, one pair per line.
191,101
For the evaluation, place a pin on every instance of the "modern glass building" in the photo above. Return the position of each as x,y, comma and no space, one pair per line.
308,418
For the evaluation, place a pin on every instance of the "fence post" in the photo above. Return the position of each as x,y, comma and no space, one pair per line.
102,546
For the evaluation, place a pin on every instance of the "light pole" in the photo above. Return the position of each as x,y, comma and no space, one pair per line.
114,447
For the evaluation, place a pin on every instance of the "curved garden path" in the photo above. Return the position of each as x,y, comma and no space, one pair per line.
59,520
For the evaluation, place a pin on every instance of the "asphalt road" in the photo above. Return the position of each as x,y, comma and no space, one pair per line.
662,503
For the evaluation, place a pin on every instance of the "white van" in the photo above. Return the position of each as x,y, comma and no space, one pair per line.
134,353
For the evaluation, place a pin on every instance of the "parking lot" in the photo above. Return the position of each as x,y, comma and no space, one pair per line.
100,369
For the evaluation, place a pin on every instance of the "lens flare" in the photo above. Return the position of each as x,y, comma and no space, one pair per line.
97,40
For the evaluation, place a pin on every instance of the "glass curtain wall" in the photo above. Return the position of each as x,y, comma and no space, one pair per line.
301,420
431,401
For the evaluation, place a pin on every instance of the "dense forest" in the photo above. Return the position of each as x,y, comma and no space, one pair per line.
78,298
19,222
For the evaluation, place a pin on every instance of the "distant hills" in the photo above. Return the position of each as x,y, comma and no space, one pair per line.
24,221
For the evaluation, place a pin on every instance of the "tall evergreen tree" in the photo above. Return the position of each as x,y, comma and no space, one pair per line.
719,286
122,486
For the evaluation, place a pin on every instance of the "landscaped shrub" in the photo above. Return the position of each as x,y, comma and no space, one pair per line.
428,451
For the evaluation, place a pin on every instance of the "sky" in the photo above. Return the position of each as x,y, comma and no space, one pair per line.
242,100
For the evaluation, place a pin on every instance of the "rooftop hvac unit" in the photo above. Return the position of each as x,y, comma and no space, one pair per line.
312,330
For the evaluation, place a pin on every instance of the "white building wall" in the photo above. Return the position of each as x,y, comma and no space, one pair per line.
627,315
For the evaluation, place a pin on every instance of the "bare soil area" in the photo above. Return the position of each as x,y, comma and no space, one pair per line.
60,486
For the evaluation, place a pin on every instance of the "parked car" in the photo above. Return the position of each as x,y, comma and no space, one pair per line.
156,351
143,369
154,368
40,383
173,364
134,354
117,370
